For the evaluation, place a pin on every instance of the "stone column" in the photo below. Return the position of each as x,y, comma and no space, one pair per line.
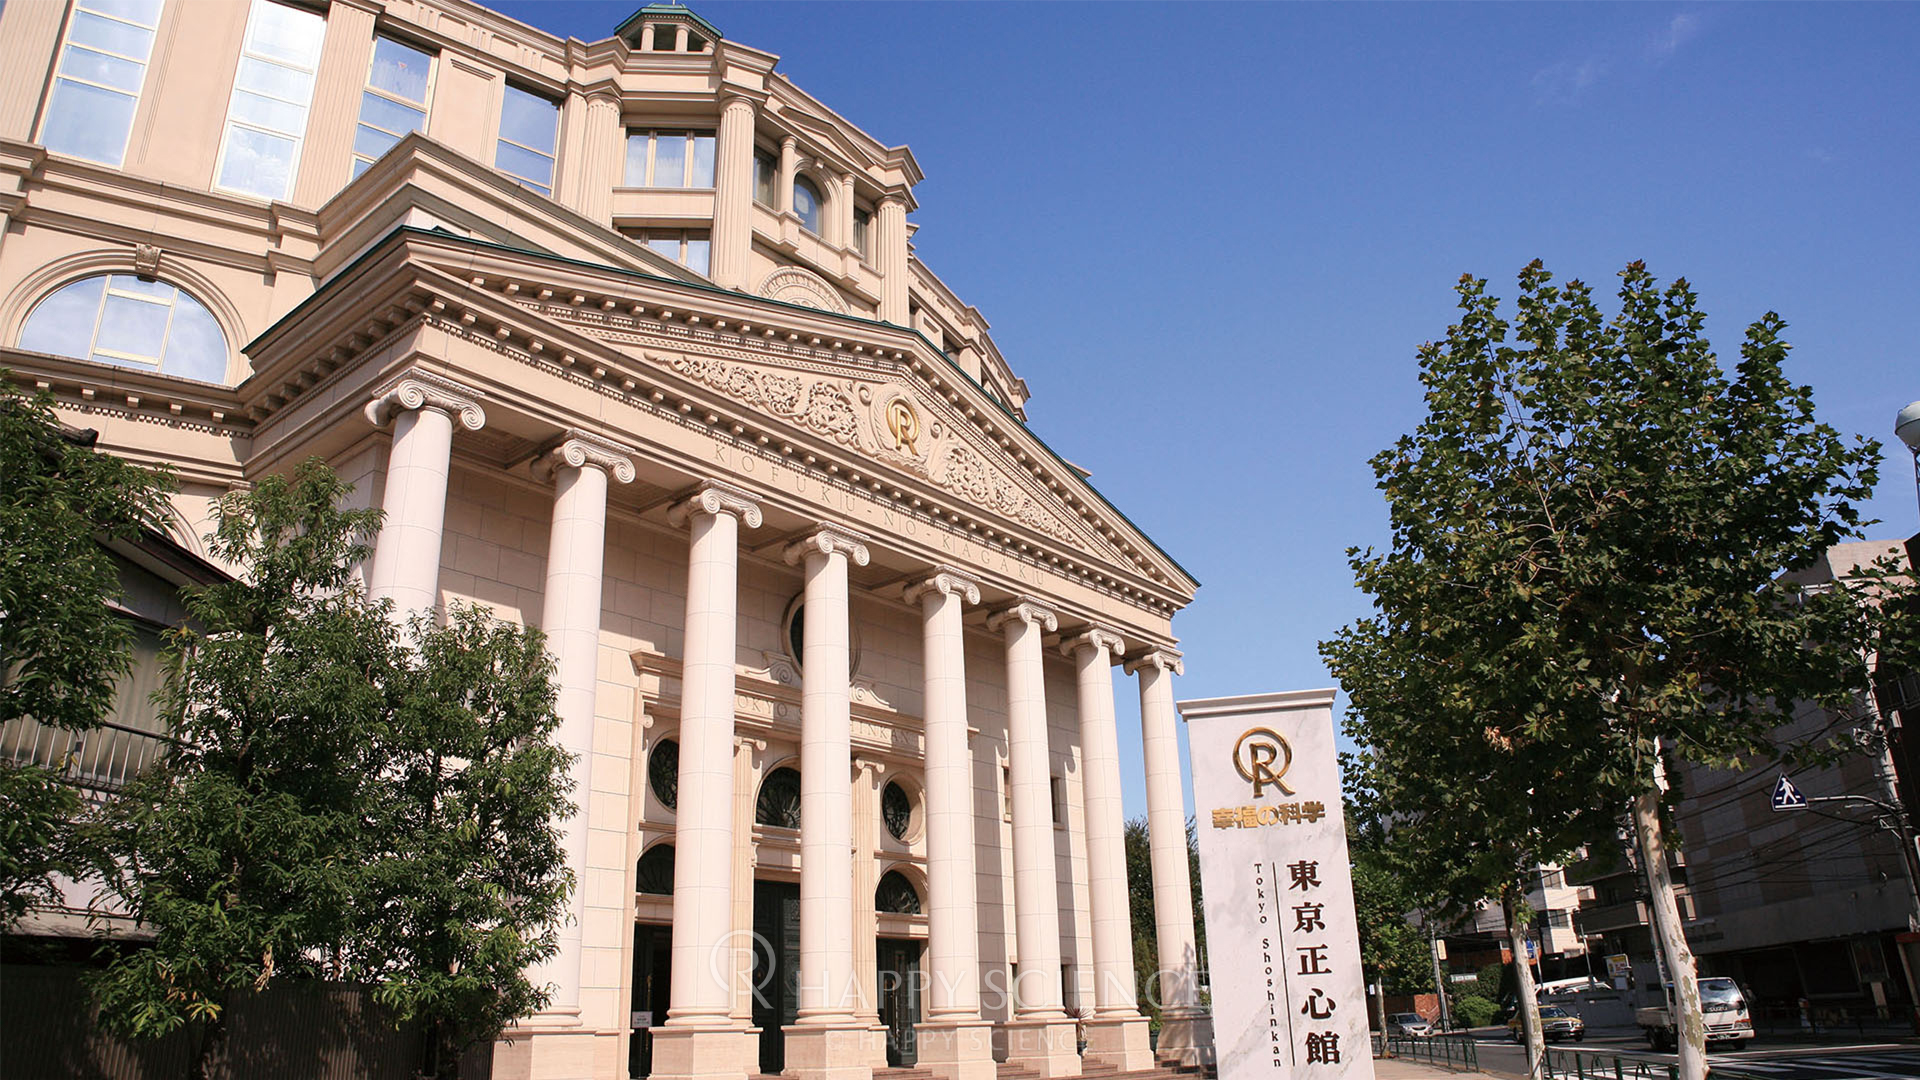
868,776
29,47
954,1042
598,156
700,1038
1041,1036
1186,1031
826,1041
406,558
326,157
576,557
1117,1034
733,195
789,168
892,227
843,211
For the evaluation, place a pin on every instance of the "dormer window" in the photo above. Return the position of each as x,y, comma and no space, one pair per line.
670,159
665,37
806,204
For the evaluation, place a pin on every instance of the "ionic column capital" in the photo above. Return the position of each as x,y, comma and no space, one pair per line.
946,581
1027,610
1162,658
1094,637
579,449
827,539
716,497
417,389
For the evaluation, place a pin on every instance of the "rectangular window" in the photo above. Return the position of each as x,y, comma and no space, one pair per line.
766,175
529,128
862,222
1006,791
693,250
267,116
399,81
670,159
103,64
1057,787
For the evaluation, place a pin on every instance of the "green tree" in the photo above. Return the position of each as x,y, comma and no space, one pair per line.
1146,933
241,852
1590,530
473,882
1393,951
350,802
63,650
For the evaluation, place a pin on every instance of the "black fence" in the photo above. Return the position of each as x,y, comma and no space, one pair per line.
295,1031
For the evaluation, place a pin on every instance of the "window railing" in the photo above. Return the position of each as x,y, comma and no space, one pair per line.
101,760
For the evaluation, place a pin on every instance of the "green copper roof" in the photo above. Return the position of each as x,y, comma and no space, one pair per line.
679,10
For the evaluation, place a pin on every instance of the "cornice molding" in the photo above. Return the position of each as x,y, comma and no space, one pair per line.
827,539
716,497
419,389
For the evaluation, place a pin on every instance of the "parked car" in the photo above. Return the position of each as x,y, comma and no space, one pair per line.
1720,999
1555,1023
1409,1024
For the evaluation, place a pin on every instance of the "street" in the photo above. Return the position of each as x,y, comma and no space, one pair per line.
1761,1059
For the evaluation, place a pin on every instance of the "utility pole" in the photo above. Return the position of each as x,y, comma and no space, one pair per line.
1438,948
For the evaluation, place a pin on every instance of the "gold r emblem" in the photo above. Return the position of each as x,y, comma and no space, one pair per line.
904,423
1263,747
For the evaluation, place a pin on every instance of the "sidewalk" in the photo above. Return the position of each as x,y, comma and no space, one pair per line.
1404,1069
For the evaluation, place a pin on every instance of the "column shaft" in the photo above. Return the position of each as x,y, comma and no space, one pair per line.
1167,832
703,820
1106,824
406,558
325,160
1035,886
953,931
827,989
733,195
892,221
599,152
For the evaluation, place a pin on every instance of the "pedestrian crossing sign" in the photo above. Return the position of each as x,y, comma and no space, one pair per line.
1788,797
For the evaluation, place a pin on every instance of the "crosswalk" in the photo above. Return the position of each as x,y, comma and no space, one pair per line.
1890,1063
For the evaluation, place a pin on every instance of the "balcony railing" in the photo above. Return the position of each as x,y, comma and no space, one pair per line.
1599,920
101,760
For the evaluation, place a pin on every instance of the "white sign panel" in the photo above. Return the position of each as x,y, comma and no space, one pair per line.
1283,948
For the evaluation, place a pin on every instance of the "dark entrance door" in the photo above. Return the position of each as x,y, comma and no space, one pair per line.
776,967
652,968
898,964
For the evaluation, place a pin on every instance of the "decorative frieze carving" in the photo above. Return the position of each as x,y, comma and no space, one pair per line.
802,288
417,389
715,497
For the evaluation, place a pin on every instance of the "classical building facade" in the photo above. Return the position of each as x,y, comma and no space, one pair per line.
629,341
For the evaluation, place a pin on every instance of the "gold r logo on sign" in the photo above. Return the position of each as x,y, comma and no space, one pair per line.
1263,747
904,423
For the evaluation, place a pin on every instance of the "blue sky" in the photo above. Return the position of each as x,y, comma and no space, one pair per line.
1211,237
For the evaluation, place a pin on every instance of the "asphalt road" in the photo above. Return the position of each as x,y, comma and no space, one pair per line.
1758,1059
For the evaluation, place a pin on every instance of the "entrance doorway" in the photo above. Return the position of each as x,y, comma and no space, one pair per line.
776,967
652,972
898,981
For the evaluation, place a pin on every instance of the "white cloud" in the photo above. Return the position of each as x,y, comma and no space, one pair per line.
1679,30
1567,82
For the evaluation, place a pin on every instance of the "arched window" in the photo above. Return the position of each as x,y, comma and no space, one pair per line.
896,809
806,203
663,772
122,319
779,804
896,894
653,874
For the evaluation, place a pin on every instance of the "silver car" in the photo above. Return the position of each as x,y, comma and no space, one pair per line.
1409,1024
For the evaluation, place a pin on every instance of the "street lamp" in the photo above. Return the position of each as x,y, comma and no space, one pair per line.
1907,427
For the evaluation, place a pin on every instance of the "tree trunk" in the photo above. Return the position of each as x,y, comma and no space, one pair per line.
1529,1008
1690,1023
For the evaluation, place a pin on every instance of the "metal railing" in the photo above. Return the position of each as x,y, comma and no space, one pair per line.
1453,1051
1601,1065
100,760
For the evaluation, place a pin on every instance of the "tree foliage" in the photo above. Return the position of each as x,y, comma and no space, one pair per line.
1589,532
1393,951
349,802
1137,840
63,650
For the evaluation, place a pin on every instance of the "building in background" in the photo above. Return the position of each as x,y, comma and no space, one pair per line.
629,341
